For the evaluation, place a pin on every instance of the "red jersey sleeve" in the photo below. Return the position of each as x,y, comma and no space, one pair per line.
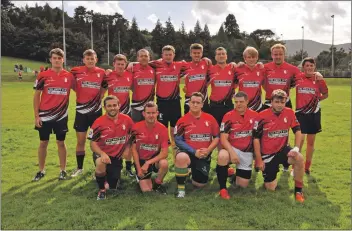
94,132
225,124
179,128
296,73
214,127
323,88
258,127
39,82
164,138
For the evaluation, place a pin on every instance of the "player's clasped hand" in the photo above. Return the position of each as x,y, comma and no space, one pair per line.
105,159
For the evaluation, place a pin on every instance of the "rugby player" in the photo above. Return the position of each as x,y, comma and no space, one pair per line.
109,136
89,93
236,138
50,103
309,93
150,149
196,136
119,83
271,133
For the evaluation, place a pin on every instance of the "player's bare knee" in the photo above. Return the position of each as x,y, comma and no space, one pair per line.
60,144
43,143
163,164
271,186
223,157
242,183
182,160
198,185
100,166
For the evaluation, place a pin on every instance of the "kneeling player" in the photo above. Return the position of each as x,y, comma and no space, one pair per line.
109,137
196,136
150,149
270,134
236,138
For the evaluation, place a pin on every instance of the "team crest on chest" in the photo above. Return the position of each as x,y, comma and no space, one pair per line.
251,121
285,120
229,72
98,75
285,72
65,80
207,123
156,136
257,73
151,71
123,127
203,67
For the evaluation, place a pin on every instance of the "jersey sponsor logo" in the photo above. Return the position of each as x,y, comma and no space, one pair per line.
122,89
196,77
243,134
200,137
87,84
278,133
222,83
254,84
306,90
168,78
116,140
57,91
277,81
149,147
145,81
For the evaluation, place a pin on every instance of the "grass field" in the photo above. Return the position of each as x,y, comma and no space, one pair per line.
71,204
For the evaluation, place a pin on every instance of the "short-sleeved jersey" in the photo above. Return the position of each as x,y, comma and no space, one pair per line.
120,85
251,81
279,77
222,83
143,86
55,95
149,141
239,127
273,129
308,93
168,79
196,78
197,132
112,136
88,84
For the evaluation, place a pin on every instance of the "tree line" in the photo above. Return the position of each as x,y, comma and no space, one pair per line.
31,32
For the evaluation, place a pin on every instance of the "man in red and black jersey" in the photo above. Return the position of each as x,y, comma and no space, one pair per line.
250,78
119,83
196,136
150,149
271,143
109,137
222,85
88,86
143,84
309,92
236,138
196,77
50,103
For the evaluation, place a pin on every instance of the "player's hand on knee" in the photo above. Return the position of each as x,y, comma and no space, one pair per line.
145,167
140,173
105,159
204,152
198,154
38,122
294,151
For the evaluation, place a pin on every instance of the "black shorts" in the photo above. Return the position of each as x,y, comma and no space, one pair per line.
114,169
205,108
83,121
309,123
200,168
59,128
169,111
219,110
272,163
266,106
152,168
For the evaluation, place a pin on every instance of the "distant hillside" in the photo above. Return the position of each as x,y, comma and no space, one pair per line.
313,48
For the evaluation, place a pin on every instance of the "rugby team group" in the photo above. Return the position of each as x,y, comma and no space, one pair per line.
236,122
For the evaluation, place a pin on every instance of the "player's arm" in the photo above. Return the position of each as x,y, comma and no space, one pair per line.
224,140
95,148
213,145
257,135
36,103
323,90
104,86
296,129
181,143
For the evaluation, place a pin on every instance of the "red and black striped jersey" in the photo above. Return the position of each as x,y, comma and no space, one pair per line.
222,83
55,95
196,78
112,136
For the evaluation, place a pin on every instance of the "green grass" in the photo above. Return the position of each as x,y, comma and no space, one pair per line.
71,204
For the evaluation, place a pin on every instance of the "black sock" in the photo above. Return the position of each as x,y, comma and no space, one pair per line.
221,172
128,164
100,178
80,160
297,189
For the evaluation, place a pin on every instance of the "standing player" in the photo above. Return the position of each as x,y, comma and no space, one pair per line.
250,79
143,84
196,78
119,84
196,136
88,86
236,138
150,149
109,137
309,93
271,143
50,103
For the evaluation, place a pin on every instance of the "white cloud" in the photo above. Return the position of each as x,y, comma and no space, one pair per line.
152,18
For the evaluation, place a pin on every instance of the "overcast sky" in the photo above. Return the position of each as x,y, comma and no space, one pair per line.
283,18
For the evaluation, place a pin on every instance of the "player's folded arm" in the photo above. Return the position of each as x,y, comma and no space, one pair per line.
183,146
